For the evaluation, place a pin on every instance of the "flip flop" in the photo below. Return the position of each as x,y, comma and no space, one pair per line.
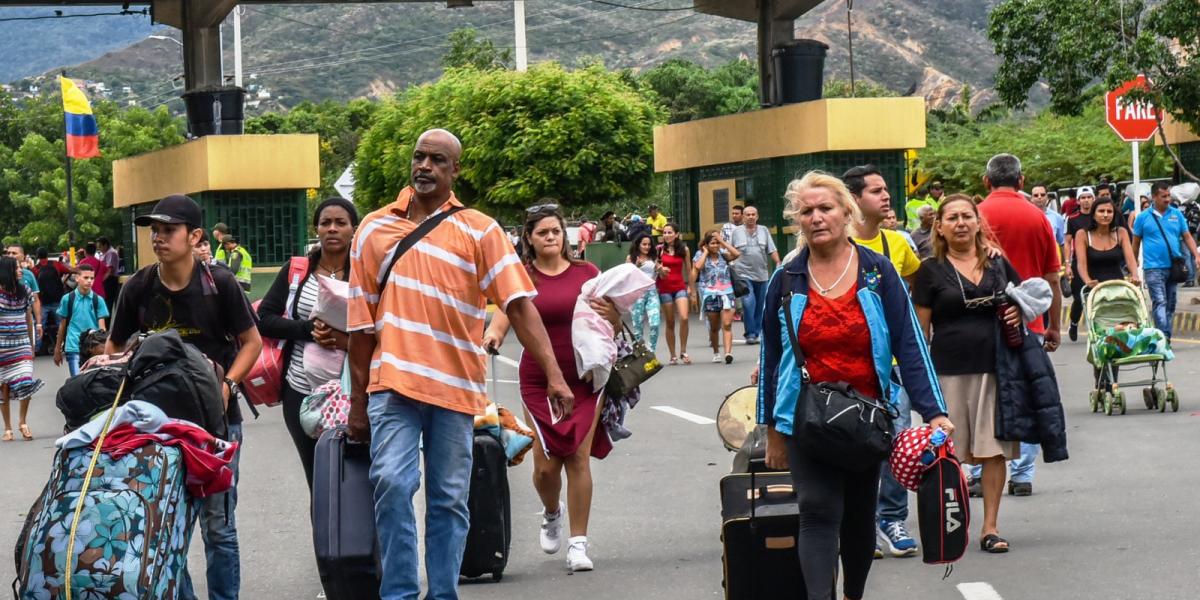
674,361
687,360
8,436
991,543
25,433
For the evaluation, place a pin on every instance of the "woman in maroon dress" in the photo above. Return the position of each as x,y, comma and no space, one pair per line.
563,441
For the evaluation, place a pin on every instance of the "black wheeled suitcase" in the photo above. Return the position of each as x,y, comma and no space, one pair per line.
490,535
343,518
759,531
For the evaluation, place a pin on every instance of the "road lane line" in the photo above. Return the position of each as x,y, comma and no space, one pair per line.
978,590
685,415
508,361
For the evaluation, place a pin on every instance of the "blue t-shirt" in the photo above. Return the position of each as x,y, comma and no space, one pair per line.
85,315
1155,253
1058,224
30,280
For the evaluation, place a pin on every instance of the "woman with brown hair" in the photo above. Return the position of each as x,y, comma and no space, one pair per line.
955,297
566,437
675,289
714,282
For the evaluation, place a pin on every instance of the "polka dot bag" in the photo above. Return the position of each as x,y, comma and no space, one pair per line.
907,449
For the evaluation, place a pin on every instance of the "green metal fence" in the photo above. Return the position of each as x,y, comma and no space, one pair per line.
763,183
271,224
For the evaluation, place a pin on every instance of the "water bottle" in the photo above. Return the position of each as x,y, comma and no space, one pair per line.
938,438
1012,333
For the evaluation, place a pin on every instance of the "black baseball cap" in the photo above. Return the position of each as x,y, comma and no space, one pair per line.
174,209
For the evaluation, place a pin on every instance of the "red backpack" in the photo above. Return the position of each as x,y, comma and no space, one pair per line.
265,381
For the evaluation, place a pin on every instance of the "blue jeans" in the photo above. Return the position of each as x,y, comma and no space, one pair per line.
1162,298
399,425
752,308
1191,262
893,498
218,527
72,362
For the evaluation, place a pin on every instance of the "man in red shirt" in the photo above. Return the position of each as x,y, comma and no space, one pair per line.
1028,242
97,265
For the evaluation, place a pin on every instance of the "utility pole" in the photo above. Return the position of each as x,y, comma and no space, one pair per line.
519,25
237,45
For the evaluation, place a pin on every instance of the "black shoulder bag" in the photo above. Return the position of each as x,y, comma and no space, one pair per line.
1179,270
834,423
411,240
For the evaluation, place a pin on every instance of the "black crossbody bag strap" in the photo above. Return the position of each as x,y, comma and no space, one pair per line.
1166,240
411,240
785,302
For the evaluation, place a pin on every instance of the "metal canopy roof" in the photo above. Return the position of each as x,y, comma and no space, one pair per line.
749,10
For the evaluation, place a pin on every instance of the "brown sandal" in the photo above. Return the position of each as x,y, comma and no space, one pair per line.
25,433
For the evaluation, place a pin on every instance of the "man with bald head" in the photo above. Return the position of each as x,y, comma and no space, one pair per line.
417,371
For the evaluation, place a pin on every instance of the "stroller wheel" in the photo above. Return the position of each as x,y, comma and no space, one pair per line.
1119,400
1108,403
1094,400
1148,397
1173,398
1160,397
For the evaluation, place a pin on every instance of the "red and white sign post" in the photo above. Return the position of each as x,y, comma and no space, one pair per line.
1133,122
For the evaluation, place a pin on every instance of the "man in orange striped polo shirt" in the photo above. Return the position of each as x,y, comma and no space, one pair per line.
417,371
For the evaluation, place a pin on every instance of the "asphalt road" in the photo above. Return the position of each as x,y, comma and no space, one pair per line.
1116,521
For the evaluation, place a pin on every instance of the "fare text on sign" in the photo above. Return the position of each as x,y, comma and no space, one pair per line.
1133,121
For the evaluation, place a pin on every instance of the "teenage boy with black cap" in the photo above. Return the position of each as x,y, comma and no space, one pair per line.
209,310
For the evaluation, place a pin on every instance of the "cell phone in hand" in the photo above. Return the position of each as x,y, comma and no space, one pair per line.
556,411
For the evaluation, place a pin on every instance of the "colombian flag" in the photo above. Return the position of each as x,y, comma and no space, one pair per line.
83,137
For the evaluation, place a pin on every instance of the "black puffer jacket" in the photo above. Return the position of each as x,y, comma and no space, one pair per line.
1028,407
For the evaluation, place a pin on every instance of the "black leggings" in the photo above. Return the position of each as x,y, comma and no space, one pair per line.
836,505
1076,296
305,446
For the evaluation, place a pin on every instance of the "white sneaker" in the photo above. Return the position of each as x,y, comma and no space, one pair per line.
577,558
716,357
551,534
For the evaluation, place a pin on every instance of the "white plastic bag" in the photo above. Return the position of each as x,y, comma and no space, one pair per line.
591,334
1185,192
331,302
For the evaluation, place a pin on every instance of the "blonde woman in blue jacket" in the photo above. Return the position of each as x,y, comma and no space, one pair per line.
852,315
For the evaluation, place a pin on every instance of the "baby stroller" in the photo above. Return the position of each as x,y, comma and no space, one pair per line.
1117,317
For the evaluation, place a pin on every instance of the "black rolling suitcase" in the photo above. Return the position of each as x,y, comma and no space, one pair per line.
490,535
343,518
759,531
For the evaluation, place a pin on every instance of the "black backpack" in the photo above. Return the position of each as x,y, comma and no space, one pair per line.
164,371
50,283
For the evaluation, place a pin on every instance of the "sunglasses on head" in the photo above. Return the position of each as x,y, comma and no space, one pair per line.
533,210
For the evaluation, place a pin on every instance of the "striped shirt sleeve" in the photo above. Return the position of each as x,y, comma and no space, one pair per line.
502,277
364,287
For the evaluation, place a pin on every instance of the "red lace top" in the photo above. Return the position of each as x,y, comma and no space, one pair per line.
837,343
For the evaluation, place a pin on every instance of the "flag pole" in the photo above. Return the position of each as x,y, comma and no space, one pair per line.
70,195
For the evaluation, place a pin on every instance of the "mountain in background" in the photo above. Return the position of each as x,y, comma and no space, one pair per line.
295,53
30,47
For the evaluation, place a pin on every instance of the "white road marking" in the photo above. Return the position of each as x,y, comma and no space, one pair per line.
508,361
685,415
978,590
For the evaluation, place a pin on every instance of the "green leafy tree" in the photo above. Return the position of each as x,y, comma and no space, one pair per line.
1072,44
583,136
1061,150
33,175
840,88
689,91
468,50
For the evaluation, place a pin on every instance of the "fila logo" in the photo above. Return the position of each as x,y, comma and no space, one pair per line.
952,508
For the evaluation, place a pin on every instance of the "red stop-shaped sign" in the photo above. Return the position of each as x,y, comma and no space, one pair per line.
1133,121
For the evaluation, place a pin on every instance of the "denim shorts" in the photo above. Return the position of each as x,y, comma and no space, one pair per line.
669,298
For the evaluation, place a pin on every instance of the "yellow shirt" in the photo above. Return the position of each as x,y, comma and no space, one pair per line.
901,254
657,224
